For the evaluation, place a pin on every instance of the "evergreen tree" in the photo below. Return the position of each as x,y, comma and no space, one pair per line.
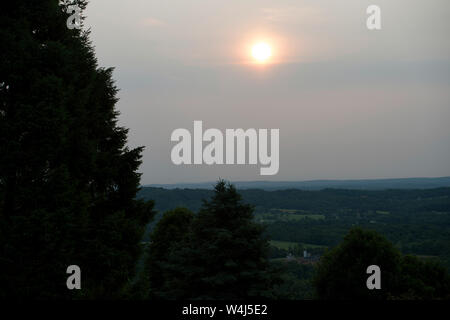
169,233
223,256
67,180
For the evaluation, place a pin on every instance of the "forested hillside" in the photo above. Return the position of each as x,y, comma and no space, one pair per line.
416,221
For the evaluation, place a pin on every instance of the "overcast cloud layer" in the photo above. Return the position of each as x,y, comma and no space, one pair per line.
349,102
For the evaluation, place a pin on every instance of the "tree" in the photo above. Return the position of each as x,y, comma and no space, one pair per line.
223,256
296,281
67,180
341,272
169,233
423,279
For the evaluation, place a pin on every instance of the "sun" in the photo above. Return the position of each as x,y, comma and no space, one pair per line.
261,52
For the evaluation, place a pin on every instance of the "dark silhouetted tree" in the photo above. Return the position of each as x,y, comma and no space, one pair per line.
170,232
223,256
423,280
341,273
67,180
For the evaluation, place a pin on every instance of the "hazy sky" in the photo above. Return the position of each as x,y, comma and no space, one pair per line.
350,103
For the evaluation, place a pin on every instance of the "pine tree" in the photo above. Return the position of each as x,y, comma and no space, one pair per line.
67,180
224,256
169,234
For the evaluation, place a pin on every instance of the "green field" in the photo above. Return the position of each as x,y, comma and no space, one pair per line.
285,245
286,216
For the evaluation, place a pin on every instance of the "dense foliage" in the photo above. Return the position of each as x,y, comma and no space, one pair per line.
169,234
67,180
220,253
341,273
416,221
196,256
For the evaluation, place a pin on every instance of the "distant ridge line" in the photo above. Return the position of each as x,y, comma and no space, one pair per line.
369,184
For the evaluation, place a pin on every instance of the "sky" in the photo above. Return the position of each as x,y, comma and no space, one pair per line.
350,103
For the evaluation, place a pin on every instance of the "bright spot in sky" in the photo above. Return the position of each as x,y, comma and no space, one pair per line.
261,51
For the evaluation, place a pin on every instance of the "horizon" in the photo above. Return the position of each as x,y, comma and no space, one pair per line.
319,184
297,180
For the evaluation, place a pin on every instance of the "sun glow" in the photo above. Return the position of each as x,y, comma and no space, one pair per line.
261,52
